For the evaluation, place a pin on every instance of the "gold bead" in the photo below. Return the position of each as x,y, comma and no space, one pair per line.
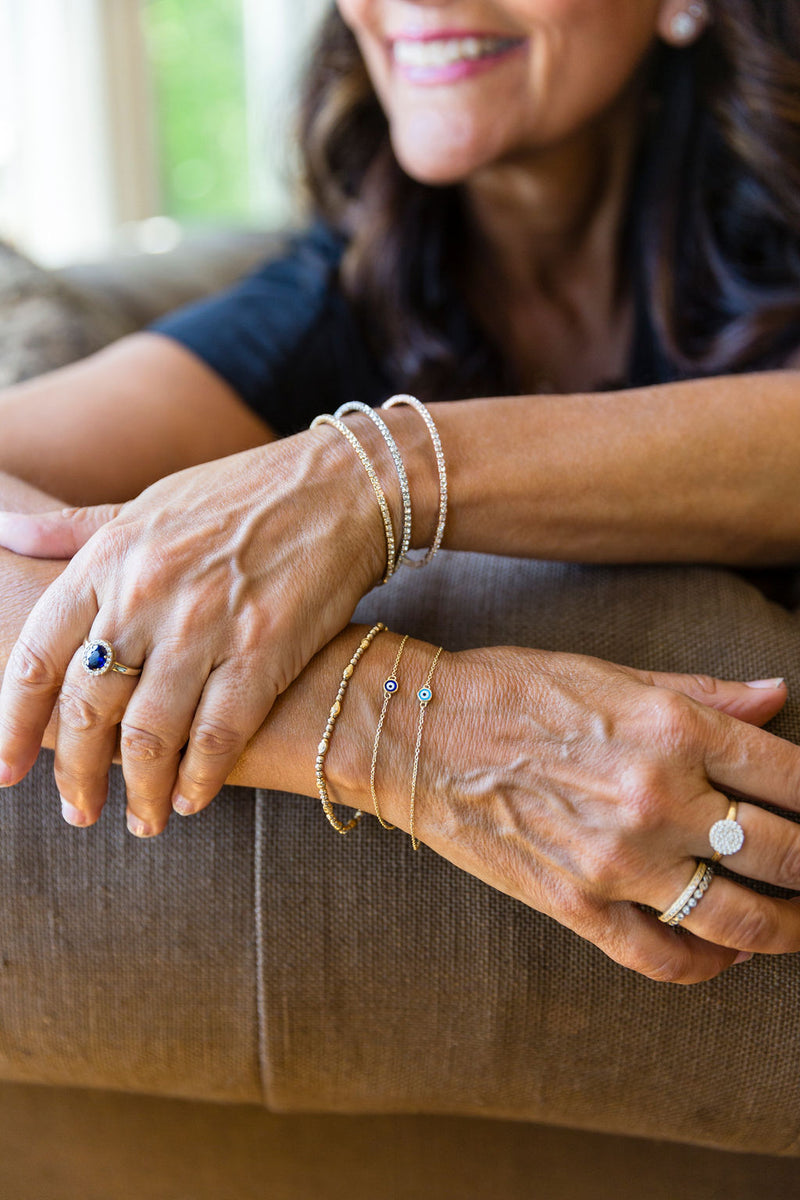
323,746
337,708
348,671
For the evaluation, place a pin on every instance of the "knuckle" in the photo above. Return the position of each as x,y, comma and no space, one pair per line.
112,540
706,684
32,667
603,868
257,628
673,717
216,741
641,807
142,745
75,711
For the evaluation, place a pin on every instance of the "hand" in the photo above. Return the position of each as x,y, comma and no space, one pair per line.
223,581
586,789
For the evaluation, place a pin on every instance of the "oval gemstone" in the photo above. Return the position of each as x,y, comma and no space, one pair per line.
96,658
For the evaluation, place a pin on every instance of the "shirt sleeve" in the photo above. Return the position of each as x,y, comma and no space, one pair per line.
284,338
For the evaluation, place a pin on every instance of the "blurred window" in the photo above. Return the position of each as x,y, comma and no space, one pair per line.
197,67
121,113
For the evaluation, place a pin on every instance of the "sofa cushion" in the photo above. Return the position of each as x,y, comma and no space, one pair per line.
392,982
251,954
45,322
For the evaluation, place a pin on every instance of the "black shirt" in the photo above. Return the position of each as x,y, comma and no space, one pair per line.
285,338
288,342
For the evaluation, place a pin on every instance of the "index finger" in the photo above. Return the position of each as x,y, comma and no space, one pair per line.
754,762
49,639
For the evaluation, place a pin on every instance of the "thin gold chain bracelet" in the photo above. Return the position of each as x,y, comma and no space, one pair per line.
424,695
390,687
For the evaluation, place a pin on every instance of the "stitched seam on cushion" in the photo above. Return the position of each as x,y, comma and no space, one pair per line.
261,1006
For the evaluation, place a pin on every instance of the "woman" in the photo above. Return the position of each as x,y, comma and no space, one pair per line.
542,197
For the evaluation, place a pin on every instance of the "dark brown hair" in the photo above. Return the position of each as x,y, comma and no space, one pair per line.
713,236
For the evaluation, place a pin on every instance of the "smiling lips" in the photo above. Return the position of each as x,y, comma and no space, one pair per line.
444,59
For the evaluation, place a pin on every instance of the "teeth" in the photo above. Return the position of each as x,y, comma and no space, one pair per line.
443,52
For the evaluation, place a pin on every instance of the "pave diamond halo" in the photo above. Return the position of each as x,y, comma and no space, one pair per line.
98,657
726,837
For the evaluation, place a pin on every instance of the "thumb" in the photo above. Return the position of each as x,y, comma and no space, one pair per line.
755,702
54,534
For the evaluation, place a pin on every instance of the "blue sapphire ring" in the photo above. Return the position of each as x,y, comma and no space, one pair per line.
98,659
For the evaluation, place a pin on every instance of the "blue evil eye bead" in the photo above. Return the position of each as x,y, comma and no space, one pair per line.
390,687
424,694
98,657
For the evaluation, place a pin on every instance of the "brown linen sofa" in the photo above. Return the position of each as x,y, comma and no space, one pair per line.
249,1006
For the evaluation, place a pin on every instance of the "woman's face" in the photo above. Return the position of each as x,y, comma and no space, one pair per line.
465,83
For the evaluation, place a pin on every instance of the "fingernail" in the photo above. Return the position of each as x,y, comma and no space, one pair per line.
764,683
6,774
139,828
184,808
742,957
71,814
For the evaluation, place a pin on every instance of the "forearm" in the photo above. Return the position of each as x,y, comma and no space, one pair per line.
695,471
103,429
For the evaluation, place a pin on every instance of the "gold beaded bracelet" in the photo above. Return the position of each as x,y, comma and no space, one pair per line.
424,695
322,748
390,686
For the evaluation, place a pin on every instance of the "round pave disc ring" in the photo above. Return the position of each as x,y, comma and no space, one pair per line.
98,658
726,837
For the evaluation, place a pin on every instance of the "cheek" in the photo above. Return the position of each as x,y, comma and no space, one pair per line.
355,13
361,18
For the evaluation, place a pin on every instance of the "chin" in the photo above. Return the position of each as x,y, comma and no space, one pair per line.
440,153
435,169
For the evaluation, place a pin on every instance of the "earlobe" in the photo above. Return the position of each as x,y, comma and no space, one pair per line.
682,23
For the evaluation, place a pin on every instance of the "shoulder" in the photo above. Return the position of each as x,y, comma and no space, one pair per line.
285,337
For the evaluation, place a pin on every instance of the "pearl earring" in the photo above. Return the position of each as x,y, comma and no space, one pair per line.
685,25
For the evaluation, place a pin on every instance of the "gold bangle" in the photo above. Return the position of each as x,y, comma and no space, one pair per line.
388,528
322,748
399,466
389,688
424,695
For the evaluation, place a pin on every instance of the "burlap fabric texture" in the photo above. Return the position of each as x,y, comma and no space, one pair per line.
251,954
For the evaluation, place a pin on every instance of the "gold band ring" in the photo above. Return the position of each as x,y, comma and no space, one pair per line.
691,895
98,659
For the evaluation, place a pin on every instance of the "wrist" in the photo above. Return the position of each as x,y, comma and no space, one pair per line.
349,761
347,493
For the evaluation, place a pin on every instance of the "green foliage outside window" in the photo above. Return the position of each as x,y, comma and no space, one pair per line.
197,65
